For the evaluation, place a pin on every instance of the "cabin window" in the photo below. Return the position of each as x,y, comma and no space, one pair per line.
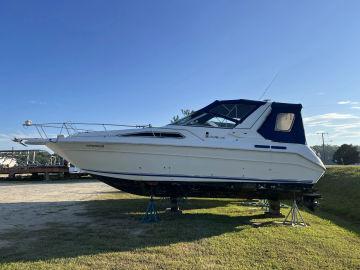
234,111
212,121
221,122
284,122
221,114
154,134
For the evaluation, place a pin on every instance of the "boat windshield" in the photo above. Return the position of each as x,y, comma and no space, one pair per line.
221,114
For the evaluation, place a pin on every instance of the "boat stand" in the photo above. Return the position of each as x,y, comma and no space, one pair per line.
175,208
151,214
294,217
264,205
272,208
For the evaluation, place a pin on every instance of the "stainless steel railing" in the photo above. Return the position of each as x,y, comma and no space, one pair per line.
71,128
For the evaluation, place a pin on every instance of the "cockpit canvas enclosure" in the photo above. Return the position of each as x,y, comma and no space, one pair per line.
283,124
293,134
222,114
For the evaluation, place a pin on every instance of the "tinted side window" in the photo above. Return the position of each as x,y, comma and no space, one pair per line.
284,122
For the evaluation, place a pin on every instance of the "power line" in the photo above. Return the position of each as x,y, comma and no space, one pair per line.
323,144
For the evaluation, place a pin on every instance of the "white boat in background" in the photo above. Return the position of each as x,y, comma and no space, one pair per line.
230,148
7,162
75,170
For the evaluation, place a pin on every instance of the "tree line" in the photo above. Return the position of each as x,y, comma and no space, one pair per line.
345,154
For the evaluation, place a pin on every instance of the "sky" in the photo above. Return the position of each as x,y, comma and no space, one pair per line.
140,62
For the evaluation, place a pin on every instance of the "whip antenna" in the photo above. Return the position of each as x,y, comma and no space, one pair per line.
269,85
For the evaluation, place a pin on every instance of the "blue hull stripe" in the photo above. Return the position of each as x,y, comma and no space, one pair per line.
290,181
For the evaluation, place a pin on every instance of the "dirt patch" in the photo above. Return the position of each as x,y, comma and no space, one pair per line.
33,205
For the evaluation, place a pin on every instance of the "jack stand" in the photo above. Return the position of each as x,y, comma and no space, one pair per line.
151,214
296,217
264,205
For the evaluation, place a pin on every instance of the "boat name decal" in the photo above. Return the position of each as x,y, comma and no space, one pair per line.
215,137
95,145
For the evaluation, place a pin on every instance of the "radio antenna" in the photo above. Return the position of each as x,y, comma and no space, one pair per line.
269,85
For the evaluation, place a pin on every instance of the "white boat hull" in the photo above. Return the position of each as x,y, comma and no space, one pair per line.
142,162
231,148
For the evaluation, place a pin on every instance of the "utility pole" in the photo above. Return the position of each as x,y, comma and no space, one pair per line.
323,144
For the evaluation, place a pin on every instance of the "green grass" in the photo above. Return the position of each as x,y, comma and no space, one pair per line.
340,188
210,234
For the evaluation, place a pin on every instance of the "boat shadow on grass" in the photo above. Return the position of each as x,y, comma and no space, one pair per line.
115,225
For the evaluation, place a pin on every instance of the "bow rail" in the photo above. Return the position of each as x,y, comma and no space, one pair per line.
71,128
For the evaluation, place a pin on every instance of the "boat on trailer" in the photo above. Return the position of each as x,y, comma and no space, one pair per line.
230,148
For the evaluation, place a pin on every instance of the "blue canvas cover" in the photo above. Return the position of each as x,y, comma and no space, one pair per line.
296,134
245,108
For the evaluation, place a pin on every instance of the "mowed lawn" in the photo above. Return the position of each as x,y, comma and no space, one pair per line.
210,234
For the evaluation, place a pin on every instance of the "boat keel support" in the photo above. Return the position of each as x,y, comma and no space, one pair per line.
174,206
273,208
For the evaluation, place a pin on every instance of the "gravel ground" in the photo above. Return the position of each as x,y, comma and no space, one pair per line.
30,205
